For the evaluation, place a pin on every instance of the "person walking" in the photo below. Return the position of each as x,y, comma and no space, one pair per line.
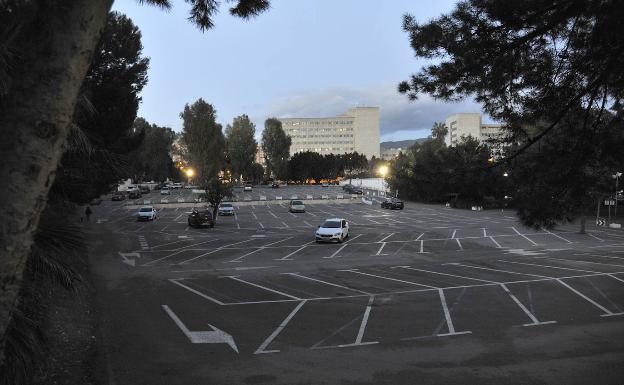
88,212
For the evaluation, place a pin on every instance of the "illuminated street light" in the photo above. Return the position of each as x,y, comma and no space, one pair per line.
189,172
383,171
505,173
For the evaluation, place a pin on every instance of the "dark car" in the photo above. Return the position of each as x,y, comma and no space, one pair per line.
392,203
200,218
274,185
118,196
134,194
144,189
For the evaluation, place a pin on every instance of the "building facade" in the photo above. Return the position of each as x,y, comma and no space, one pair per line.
469,124
356,130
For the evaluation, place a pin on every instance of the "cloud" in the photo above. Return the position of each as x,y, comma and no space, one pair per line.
399,116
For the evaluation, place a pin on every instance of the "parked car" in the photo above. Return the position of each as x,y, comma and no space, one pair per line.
165,191
334,229
325,185
176,185
146,213
134,194
144,189
347,187
200,218
275,185
296,207
247,187
118,196
226,208
392,203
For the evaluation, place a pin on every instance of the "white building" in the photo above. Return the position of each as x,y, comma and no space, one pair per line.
356,130
459,125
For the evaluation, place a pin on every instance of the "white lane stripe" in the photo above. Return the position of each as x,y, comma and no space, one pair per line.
599,306
520,304
293,253
524,236
547,266
326,283
504,271
389,278
450,275
558,236
262,287
391,234
337,251
360,336
381,248
496,243
459,244
175,281
277,331
214,251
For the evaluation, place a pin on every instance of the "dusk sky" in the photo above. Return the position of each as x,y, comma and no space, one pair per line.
303,58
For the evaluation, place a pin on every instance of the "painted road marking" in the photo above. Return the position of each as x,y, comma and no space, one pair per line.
262,287
450,275
215,336
534,320
214,251
326,283
381,248
504,271
524,236
447,316
547,266
384,238
607,312
388,278
494,240
459,244
176,281
558,236
276,332
337,251
293,253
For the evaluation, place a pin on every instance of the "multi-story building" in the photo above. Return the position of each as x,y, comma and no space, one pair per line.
356,130
260,156
469,124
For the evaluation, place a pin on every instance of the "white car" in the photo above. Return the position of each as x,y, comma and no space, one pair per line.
165,191
296,207
226,209
177,185
334,229
146,213
247,187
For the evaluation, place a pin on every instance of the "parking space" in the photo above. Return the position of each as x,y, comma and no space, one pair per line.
425,277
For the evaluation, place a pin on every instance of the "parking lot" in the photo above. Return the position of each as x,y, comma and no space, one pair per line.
470,288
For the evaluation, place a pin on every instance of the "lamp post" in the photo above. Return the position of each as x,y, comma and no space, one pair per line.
189,174
383,171
616,176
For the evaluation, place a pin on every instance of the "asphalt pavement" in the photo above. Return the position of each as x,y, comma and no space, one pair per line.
426,295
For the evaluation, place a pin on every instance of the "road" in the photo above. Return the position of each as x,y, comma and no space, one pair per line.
427,295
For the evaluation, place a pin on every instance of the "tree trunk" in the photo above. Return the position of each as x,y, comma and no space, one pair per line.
53,50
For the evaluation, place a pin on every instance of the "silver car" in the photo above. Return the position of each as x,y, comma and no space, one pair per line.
296,207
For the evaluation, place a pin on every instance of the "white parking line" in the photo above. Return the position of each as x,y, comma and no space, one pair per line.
526,311
461,248
214,251
326,283
524,236
450,275
547,266
337,251
384,238
558,236
388,278
606,311
503,271
496,243
447,315
262,287
277,331
293,253
175,281
381,248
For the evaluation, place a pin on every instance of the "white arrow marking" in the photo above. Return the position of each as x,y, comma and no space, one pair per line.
126,260
216,336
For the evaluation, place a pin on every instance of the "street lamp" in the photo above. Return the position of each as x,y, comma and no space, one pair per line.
383,171
505,174
189,174
616,176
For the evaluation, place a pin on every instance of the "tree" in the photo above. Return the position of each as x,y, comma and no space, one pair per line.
355,165
203,139
42,67
536,66
276,148
151,161
241,146
257,173
102,133
216,190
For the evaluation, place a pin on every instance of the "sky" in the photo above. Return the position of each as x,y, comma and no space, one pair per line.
301,58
